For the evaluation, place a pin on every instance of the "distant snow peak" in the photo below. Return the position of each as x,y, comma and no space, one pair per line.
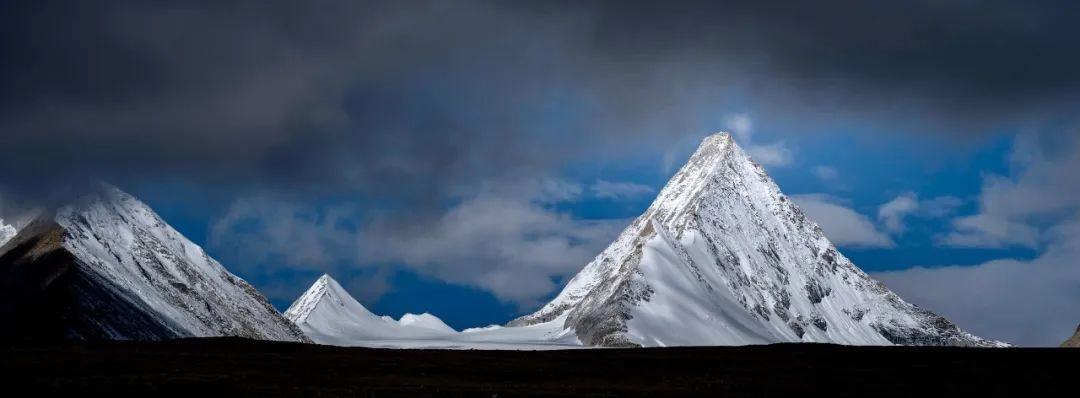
329,315
427,321
722,257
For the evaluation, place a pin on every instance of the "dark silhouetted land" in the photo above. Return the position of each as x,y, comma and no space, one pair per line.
198,367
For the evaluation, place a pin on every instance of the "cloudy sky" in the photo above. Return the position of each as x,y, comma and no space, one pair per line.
465,158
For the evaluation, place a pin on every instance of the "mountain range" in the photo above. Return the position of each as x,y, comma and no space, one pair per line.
721,257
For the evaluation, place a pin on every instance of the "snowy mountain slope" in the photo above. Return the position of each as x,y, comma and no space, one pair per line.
107,267
6,232
722,257
330,315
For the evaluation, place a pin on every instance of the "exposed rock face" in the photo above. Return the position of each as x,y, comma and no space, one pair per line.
107,267
722,257
1074,341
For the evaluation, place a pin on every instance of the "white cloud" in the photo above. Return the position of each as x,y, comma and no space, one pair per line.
775,154
989,230
259,230
505,240
893,213
1044,185
1026,302
741,126
512,248
620,190
543,190
825,173
843,225
551,190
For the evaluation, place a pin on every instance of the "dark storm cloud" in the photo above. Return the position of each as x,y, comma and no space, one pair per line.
418,98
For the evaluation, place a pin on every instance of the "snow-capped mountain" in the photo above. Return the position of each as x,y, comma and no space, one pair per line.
107,267
330,315
722,257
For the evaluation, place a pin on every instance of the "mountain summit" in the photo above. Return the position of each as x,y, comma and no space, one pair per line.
722,257
107,267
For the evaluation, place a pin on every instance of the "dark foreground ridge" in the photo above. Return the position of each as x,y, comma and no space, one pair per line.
195,367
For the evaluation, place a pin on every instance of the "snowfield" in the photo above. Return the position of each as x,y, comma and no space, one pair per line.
329,315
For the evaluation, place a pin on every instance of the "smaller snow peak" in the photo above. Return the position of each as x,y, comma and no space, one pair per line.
326,293
331,286
303,306
425,320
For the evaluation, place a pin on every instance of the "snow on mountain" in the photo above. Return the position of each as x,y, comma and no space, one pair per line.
6,232
107,267
722,257
426,321
330,315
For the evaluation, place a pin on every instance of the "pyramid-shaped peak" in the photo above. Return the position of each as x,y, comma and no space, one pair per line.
302,307
330,285
725,248
326,290
718,158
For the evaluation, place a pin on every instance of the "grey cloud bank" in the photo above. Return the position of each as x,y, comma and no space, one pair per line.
418,96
